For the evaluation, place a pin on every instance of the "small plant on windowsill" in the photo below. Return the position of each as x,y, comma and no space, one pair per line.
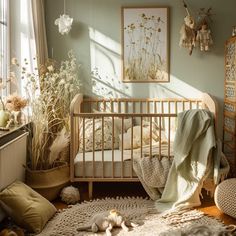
4,115
49,95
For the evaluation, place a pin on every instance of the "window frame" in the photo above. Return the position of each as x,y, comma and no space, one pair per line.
5,47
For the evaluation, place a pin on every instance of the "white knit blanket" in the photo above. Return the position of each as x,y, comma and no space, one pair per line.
153,170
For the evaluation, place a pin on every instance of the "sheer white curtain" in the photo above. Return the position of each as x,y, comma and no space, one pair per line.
39,30
22,39
28,36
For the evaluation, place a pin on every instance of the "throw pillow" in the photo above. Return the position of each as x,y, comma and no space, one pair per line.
89,134
137,137
86,142
26,207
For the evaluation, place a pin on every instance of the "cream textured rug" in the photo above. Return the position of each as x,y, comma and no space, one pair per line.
138,210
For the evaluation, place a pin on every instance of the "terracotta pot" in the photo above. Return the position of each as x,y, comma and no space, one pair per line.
49,182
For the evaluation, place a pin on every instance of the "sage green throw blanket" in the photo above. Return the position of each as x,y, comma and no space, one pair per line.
194,142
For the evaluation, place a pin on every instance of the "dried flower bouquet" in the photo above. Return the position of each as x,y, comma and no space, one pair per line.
50,94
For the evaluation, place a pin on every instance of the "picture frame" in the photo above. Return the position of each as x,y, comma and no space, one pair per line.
145,44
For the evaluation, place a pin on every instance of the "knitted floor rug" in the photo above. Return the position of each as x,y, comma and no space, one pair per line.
138,210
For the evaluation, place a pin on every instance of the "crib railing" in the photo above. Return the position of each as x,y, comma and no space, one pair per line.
148,113
127,105
147,118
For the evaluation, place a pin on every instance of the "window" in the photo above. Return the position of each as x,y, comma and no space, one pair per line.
4,47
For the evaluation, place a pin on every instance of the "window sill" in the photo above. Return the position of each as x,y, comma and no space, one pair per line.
7,136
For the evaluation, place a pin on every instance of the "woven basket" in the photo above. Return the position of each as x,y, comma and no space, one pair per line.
49,182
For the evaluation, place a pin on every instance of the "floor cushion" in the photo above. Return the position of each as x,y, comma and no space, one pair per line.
26,207
225,196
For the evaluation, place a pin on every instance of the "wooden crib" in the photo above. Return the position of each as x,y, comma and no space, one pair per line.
106,134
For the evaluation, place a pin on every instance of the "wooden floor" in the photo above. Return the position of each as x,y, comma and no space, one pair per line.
102,190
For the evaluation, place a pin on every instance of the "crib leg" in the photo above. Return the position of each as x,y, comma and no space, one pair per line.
90,190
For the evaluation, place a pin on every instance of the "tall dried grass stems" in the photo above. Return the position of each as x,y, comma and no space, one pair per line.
50,94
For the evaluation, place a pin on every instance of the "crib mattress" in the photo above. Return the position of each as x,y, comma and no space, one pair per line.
103,169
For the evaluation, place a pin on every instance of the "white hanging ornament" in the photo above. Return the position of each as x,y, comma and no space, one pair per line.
64,23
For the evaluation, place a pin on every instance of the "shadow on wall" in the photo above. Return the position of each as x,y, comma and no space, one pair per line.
106,74
78,30
106,66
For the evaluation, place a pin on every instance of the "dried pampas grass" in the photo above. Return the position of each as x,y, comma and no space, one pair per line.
58,145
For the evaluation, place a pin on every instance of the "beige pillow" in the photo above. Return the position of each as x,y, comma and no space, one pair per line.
137,137
26,207
97,135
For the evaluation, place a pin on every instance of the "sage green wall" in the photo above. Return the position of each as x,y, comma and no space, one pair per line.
201,72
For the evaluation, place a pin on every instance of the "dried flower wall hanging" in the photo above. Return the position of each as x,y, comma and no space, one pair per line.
196,32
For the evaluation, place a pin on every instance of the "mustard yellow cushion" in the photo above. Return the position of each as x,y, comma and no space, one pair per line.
26,207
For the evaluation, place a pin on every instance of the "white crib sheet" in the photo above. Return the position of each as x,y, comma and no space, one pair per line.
117,164
98,166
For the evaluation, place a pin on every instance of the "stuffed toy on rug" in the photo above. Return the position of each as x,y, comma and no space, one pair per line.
102,222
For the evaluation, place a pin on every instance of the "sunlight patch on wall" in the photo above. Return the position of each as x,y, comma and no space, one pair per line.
106,66
176,88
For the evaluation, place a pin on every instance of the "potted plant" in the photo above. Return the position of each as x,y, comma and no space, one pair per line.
4,115
49,95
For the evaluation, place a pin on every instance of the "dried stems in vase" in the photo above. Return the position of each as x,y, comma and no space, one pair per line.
49,97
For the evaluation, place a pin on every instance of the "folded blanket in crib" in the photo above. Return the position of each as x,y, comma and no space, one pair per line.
156,149
152,171
193,145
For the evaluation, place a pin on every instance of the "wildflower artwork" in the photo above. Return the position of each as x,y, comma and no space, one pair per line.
145,44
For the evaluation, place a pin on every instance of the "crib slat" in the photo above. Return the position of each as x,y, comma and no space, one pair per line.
113,135
122,147
150,138
93,146
102,147
162,111
160,137
155,111
83,146
132,143
133,109
73,148
169,136
141,136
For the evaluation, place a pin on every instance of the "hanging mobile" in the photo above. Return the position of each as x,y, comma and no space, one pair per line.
64,22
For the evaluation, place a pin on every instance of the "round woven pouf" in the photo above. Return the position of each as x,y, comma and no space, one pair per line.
225,196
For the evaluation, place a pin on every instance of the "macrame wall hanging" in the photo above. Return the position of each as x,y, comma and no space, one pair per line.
196,32
64,22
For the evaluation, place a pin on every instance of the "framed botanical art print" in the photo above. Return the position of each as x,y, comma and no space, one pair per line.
145,44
